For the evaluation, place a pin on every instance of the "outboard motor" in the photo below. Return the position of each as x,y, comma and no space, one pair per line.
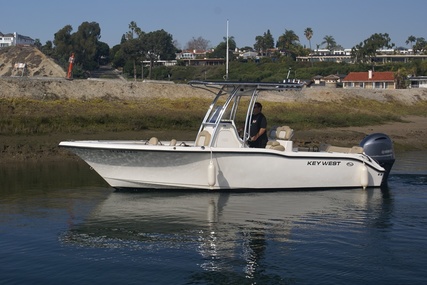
380,147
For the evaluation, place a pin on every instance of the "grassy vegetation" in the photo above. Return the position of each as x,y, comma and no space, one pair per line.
22,116
32,129
271,70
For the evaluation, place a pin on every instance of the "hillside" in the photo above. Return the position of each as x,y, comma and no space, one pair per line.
37,64
44,78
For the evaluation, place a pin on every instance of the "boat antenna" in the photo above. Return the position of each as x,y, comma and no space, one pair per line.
226,57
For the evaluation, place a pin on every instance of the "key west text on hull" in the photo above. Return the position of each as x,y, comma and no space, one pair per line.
220,158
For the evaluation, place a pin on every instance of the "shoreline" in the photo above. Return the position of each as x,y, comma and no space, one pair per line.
410,135
106,89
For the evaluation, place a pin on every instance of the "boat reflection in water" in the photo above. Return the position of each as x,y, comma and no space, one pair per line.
225,227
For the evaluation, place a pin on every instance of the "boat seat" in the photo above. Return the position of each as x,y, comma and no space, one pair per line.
331,148
284,133
275,145
153,141
227,136
203,139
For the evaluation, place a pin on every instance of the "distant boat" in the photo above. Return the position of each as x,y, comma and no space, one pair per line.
219,158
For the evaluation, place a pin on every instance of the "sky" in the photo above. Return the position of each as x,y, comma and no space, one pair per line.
348,22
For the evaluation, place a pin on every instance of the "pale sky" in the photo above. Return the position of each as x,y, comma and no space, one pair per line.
349,22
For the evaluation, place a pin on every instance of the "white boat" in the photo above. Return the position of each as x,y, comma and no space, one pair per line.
219,158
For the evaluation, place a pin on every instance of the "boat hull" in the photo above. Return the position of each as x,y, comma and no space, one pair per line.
133,165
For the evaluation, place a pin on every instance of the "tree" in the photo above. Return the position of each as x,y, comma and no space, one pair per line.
367,49
220,51
137,46
102,52
158,45
132,50
63,44
197,44
287,40
289,43
420,45
401,77
47,49
117,57
37,44
330,42
132,47
264,42
411,40
247,48
85,45
308,33
134,30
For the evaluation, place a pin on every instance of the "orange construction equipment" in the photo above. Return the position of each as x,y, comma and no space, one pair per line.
70,67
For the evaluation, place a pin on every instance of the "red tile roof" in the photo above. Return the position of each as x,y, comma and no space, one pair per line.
364,76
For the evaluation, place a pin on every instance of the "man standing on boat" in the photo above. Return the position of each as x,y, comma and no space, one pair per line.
258,128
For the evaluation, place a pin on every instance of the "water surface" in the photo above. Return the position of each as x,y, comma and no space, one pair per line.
61,224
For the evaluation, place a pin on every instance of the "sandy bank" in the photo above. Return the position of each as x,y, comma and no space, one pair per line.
51,88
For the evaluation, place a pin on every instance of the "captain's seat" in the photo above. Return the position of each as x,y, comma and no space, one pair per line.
281,138
284,133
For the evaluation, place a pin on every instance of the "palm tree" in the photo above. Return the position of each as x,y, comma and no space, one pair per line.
287,40
411,39
330,42
308,33
133,29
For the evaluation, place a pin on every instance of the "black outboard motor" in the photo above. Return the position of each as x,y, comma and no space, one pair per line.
380,147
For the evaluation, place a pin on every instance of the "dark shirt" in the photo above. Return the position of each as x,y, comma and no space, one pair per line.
259,121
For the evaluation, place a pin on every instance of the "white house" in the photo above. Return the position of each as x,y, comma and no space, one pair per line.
418,82
14,39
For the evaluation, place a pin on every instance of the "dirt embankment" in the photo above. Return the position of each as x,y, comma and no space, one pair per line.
41,88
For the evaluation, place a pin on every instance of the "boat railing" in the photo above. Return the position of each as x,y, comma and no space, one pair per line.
260,86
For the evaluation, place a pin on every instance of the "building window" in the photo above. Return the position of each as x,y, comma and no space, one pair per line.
378,85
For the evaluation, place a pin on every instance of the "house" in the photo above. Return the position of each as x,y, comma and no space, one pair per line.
370,80
418,82
331,81
317,79
248,54
191,54
14,39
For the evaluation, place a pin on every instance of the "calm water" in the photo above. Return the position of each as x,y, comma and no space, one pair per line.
60,224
